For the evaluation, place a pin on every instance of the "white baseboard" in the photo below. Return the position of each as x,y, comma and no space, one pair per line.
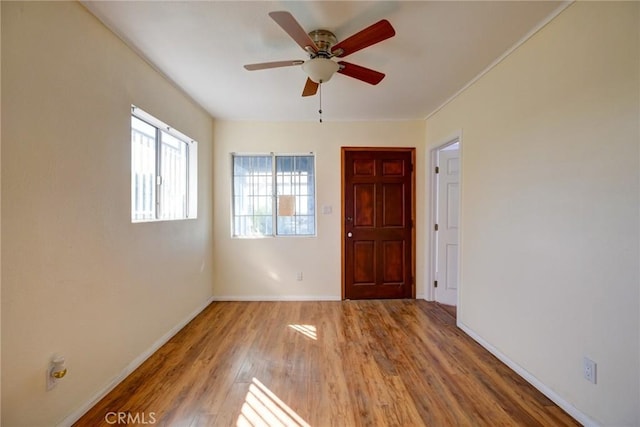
552,395
276,298
285,298
75,416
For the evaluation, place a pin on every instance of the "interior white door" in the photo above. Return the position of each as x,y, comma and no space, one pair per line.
448,220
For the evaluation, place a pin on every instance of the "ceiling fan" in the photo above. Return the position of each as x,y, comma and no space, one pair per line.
322,46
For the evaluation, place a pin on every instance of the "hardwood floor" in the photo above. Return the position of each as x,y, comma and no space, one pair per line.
349,363
451,309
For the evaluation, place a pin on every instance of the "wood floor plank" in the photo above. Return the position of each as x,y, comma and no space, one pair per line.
333,363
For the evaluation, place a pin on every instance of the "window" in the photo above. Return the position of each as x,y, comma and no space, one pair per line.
274,195
163,170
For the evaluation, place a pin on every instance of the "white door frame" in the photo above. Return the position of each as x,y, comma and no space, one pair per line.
432,215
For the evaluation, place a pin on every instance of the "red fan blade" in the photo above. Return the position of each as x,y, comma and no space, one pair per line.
310,88
373,34
275,64
361,73
295,31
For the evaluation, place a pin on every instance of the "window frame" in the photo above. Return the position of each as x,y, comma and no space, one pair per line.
191,172
274,195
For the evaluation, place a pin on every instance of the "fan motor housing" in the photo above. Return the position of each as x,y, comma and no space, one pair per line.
324,40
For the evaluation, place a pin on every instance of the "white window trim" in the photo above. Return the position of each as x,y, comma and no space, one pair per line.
192,165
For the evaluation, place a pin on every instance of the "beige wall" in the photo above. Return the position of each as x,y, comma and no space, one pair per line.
267,268
0,213
78,278
550,206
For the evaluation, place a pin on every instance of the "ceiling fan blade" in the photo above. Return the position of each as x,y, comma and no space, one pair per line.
310,88
275,64
293,28
371,35
361,73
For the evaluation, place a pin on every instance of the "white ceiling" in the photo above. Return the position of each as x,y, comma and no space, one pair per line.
438,48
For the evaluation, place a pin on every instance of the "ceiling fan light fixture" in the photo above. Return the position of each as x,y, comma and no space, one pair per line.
320,70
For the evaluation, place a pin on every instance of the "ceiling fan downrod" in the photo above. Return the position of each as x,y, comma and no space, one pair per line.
320,98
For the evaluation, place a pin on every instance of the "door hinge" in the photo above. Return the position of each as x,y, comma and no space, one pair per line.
410,223
435,283
437,169
435,227
410,167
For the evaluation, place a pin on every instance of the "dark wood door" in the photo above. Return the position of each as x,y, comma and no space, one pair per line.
377,224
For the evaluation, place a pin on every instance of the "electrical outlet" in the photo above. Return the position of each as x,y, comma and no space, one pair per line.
589,369
299,276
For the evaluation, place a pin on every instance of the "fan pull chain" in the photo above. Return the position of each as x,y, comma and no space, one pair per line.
320,96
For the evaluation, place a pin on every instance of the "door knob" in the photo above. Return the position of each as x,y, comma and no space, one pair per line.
349,234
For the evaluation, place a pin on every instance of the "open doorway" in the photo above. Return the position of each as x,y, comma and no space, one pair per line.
445,214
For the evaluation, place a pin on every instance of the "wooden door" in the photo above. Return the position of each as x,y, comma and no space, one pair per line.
378,212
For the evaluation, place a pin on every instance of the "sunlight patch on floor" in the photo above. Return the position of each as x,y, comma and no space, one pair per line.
308,331
263,408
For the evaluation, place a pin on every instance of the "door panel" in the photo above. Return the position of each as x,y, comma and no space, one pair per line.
392,167
451,263
364,205
363,167
453,196
393,261
378,234
364,262
392,197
